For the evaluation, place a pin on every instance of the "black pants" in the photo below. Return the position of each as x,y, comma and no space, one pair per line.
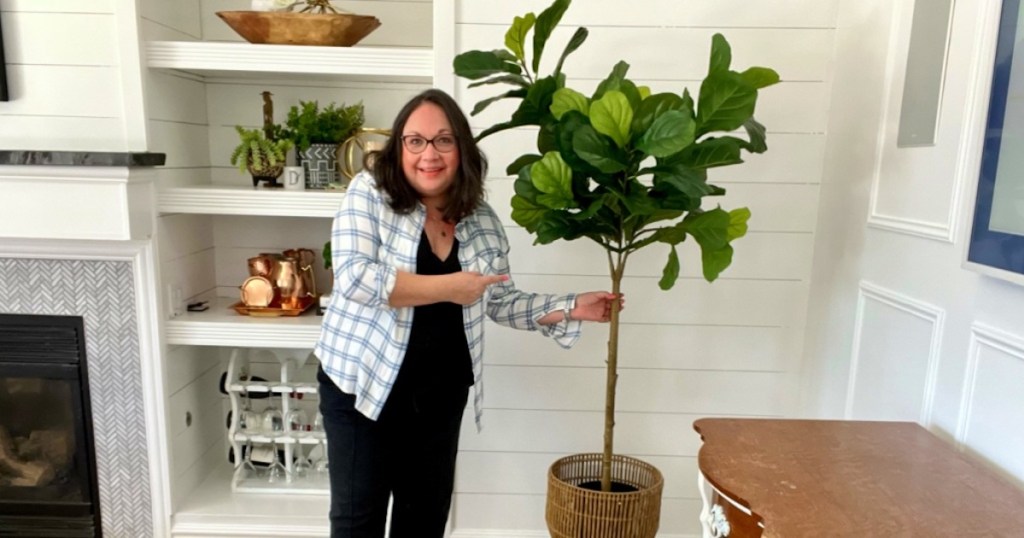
409,452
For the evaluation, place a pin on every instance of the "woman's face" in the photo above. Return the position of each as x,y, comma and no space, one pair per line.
430,172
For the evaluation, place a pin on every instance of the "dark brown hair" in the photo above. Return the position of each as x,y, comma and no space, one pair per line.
467,191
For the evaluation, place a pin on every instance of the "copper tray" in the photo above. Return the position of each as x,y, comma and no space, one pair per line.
274,310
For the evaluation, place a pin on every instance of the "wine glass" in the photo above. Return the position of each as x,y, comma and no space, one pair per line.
250,469
301,466
318,423
320,466
296,421
249,421
273,421
276,472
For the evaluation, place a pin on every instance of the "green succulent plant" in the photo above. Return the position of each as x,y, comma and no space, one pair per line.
308,124
623,167
257,152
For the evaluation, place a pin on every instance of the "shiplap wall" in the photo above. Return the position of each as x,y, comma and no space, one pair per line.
63,73
728,348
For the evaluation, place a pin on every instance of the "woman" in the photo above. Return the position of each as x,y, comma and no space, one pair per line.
419,259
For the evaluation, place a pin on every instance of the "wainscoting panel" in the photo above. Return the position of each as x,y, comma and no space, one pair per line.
895,357
993,404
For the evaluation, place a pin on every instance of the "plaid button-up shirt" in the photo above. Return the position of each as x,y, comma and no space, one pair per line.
363,339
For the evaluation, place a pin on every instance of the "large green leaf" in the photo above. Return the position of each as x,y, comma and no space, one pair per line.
721,54
537,103
553,177
566,99
496,128
710,228
670,133
653,107
672,235
526,214
613,82
712,152
521,162
758,136
515,80
546,137
597,150
760,77
726,102
574,43
546,23
515,37
670,273
738,223
571,123
479,107
612,115
552,227
689,181
715,261
477,64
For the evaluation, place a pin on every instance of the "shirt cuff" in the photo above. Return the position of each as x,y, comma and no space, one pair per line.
568,331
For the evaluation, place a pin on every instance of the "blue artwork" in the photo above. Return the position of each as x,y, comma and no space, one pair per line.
997,237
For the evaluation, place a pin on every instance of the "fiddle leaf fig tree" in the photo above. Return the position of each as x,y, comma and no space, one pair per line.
623,167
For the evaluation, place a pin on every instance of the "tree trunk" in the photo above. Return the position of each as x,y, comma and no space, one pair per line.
612,380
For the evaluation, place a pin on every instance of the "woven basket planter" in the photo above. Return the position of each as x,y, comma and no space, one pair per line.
576,512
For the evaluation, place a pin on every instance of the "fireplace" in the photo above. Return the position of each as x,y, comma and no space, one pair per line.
48,483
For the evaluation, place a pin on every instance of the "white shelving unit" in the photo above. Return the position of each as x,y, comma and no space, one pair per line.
245,200
226,503
205,58
222,326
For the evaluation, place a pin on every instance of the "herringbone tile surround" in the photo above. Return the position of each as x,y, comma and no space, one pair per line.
102,292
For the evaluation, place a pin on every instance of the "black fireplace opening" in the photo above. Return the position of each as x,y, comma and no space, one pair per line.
48,485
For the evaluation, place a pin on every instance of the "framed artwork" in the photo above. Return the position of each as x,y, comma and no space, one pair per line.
997,236
4,96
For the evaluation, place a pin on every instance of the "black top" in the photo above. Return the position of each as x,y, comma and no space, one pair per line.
80,158
438,354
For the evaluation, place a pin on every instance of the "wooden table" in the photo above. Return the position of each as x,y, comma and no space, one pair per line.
804,478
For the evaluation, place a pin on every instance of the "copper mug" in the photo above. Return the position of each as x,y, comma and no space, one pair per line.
262,265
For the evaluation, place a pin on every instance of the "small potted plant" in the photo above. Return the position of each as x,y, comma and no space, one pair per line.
262,157
626,168
318,134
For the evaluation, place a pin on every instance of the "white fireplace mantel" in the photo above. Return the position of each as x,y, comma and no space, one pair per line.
77,202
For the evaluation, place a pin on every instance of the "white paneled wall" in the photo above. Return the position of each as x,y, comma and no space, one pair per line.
898,218
63,74
728,348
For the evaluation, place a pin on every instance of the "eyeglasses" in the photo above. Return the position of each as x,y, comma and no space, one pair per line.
443,143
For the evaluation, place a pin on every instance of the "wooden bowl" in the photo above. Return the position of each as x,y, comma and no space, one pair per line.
283,28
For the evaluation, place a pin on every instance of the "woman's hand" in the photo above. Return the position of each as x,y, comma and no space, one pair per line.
466,287
596,306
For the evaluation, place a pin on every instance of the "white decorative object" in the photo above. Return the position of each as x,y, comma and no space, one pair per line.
719,524
294,178
273,5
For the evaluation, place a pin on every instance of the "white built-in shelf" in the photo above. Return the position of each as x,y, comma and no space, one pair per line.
213,509
222,326
400,64
245,200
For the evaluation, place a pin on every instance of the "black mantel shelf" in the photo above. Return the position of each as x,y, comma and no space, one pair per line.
80,158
